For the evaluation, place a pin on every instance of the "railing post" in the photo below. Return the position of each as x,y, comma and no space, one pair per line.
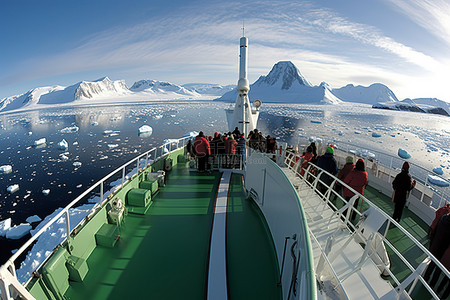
137,165
390,171
101,193
123,175
67,223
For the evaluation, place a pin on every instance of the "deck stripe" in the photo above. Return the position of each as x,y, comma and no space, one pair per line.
217,273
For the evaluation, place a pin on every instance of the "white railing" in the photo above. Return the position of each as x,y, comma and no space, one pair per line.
10,285
278,200
312,177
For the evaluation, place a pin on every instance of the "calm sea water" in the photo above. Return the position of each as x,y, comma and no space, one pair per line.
427,138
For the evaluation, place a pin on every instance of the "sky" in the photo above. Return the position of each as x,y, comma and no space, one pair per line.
404,44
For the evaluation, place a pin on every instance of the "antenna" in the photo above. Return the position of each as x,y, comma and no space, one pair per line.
243,28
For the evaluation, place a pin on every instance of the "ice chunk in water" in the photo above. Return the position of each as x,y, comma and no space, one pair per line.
376,135
438,181
438,171
403,153
18,231
33,219
6,169
13,188
46,192
39,142
71,129
4,226
77,164
145,129
63,145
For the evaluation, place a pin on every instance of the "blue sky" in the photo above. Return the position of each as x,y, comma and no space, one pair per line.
404,44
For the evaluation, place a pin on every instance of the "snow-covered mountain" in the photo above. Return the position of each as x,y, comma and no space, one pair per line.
424,105
84,90
209,89
285,84
372,94
160,87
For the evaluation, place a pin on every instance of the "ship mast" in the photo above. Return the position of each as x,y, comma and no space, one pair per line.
242,116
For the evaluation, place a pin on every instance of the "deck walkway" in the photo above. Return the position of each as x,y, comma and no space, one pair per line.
165,253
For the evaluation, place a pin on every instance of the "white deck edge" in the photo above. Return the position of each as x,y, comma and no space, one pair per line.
217,272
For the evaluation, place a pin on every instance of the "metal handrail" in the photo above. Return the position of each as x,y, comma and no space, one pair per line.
65,211
293,166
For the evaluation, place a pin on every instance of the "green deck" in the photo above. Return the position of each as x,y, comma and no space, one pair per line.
164,253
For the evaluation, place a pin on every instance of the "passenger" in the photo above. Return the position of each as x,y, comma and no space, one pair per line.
306,159
438,246
402,184
236,132
439,213
190,150
314,151
202,150
357,179
327,163
241,145
231,151
346,169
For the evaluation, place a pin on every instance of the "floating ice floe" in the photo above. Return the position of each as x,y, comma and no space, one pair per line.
312,139
190,134
77,164
438,171
75,143
5,225
376,135
46,192
111,146
316,121
19,231
157,117
71,129
13,188
63,145
340,132
366,153
403,153
30,133
357,132
33,219
41,141
438,181
5,169
94,123
145,129
64,157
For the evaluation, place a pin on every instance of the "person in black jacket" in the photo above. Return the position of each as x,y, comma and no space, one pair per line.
328,163
402,184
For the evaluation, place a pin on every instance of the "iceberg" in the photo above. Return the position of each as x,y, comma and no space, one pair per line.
71,129
403,153
376,135
33,219
438,181
5,225
111,146
39,142
5,169
438,171
19,231
46,192
77,164
94,123
13,188
63,145
145,129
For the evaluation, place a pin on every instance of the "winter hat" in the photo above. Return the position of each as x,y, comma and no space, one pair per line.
360,165
349,160
330,150
216,134
405,166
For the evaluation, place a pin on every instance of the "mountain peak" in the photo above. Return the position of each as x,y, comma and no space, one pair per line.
283,74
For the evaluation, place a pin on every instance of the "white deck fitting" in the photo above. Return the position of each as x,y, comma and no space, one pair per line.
217,273
365,283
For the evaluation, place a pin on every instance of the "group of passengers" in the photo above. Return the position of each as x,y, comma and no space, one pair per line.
258,142
222,148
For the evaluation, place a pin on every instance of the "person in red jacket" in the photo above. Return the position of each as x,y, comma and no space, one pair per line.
202,150
306,159
358,180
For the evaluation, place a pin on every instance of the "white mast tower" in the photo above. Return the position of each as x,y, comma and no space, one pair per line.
242,115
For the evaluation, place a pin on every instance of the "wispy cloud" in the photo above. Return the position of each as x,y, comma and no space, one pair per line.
197,40
433,15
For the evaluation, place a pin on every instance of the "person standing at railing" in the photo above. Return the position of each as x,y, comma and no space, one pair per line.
402,185
328,163
202,150
357,179
438,246
306,159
